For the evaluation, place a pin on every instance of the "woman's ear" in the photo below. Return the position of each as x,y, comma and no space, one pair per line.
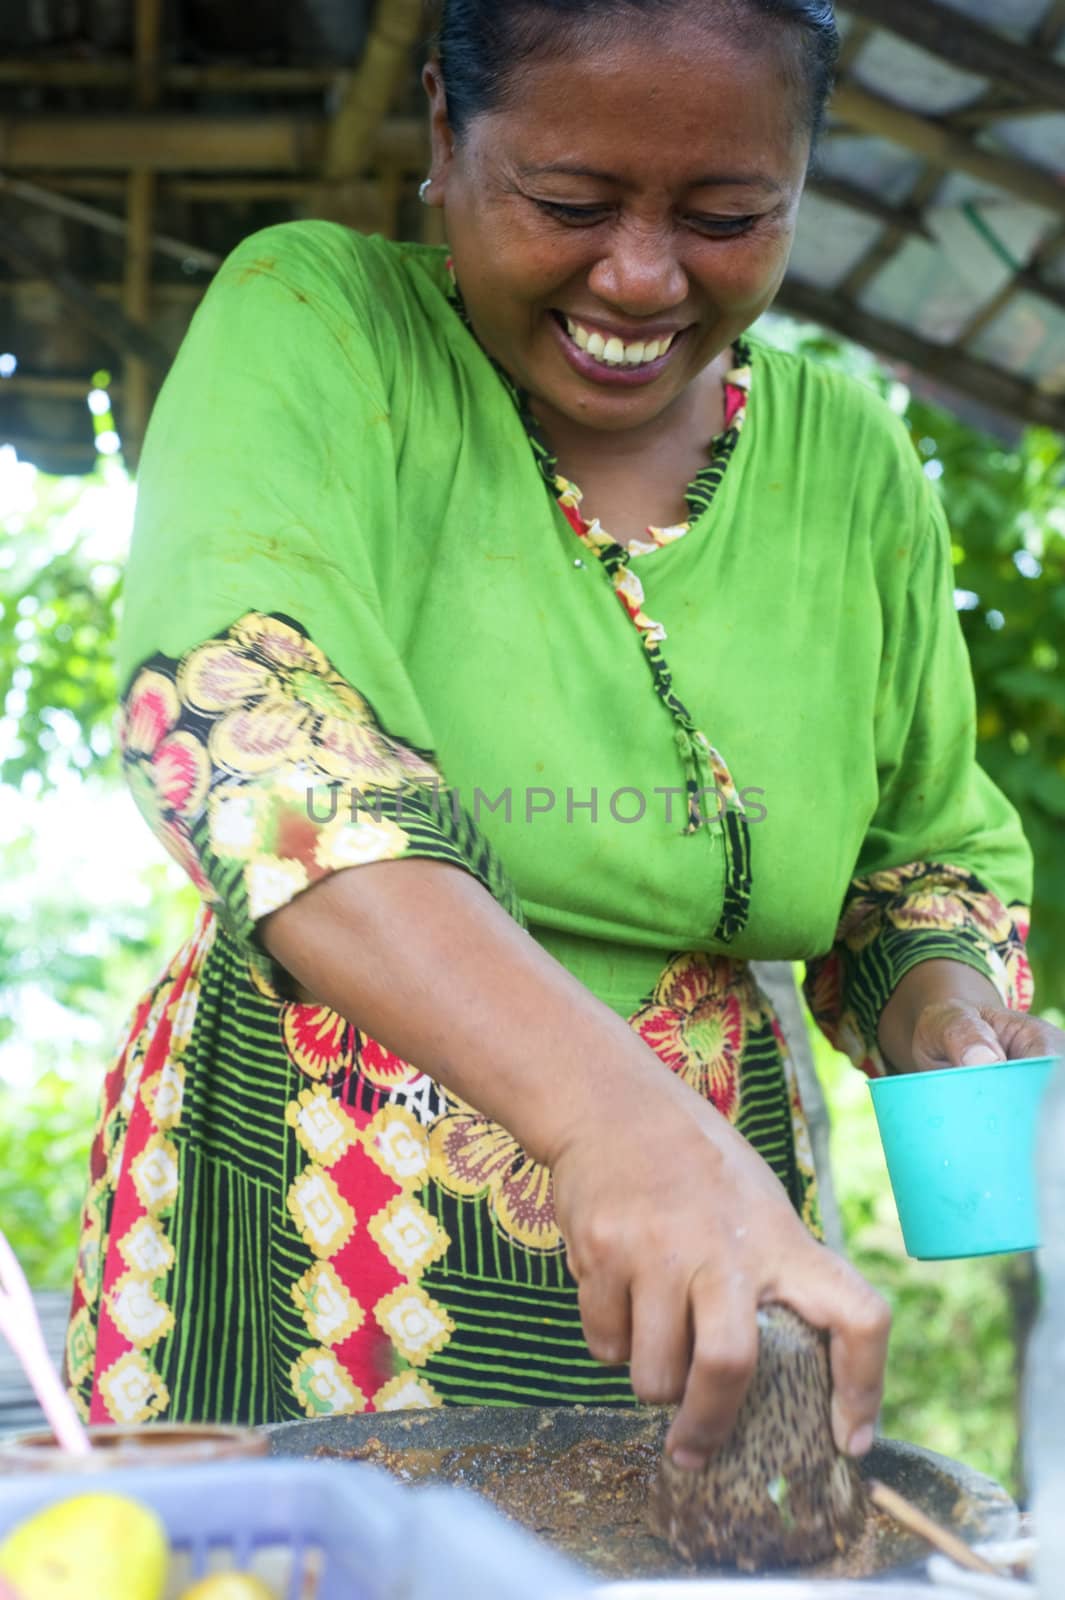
441,137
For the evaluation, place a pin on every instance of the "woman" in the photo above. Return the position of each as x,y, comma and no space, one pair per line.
502,1116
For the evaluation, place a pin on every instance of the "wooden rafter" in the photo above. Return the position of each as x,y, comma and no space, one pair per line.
1048,33
962,372
52,386
948,33
894,236
938,143
366,101
104,290
78,211
854,43
140,209
214,78
372,88
906,218
1028,281
986,112
172,142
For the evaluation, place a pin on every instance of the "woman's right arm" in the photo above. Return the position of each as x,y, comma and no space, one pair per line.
676,1230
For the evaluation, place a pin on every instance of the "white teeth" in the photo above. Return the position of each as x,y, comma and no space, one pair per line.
613,352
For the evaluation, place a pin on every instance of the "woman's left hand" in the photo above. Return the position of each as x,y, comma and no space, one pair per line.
958,1033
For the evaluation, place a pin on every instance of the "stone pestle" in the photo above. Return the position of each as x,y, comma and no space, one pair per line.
778,1494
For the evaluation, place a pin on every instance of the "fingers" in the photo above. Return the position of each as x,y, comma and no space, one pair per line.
723,1359
661,1339
955,1034
830,1294
1022,1036
604,1307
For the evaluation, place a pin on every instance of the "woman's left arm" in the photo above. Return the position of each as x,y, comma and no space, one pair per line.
928,963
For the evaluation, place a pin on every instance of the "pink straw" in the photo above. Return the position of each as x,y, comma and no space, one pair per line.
20,1325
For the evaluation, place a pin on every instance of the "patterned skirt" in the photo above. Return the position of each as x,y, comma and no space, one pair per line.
285,1220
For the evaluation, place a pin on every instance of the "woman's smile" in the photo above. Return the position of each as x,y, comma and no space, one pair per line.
607,359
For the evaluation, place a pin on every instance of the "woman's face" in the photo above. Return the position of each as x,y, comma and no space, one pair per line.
640,191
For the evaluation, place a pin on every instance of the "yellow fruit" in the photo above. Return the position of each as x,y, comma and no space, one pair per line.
229,1586
92,1547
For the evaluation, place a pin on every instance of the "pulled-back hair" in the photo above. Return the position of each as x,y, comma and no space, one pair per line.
482,45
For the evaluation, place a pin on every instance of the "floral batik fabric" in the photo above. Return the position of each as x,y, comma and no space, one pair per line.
894,920
284,1219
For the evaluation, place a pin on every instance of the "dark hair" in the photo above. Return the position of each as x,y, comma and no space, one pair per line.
483,44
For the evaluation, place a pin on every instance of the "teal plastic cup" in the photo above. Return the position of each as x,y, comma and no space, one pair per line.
961,1154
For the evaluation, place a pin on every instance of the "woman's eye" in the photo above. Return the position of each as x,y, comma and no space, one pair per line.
578,214
716,227
723,227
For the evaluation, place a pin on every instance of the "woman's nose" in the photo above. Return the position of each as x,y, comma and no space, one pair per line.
640,273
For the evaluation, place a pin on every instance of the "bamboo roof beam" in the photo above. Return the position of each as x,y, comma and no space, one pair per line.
190,142
1049,32
907,218
962,372
946,32
212,77
890,241
854,43
140,209
50,386
197,190
985,113
1029,281
372,89
367,99
162,243
940,144
174,294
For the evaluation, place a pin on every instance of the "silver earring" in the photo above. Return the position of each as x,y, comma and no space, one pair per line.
422,190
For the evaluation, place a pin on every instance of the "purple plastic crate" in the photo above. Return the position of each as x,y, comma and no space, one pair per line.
368,1537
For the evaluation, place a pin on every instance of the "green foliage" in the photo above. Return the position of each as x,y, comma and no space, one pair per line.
1007,511
45,1133
70,969
58,601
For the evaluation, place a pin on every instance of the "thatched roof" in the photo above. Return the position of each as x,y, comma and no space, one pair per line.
138,144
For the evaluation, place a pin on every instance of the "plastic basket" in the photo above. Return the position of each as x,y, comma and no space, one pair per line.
359,1533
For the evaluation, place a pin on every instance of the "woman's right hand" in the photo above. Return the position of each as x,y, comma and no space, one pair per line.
677,1231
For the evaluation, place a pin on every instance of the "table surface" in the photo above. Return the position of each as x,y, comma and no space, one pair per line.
18,1407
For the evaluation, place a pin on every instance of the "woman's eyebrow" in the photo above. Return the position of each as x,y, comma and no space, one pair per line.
716,180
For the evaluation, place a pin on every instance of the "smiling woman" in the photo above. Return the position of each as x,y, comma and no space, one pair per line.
653,234
503,1115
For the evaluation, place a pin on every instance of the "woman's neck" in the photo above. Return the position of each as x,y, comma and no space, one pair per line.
695,418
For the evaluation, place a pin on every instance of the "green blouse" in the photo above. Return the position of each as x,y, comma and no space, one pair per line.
351,461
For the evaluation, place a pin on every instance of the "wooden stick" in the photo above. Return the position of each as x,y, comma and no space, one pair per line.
941,1539
48,200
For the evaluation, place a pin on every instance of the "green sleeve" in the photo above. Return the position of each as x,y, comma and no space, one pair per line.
270,731
944,871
